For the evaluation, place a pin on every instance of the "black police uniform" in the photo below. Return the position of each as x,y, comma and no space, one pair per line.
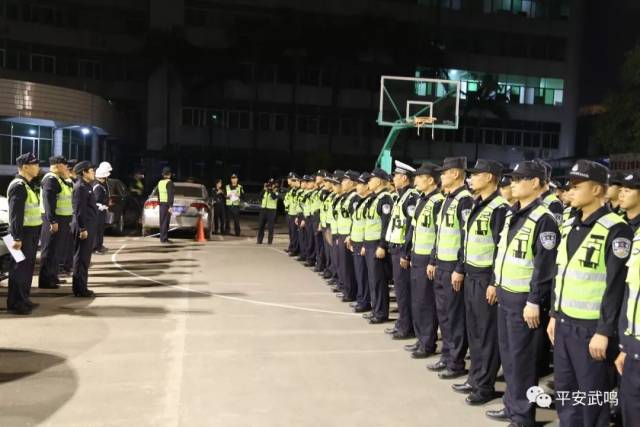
85,217
21,274
101,192
219,213
347,269
294,244
267,217
67,261
363,294
555,207
310,231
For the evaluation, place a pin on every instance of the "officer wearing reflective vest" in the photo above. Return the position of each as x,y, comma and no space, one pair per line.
523,271
482,233
336,180
355,243
314,221
348,201
628,361
67,257
55,207
564,193
587,296
401,214
24,226
446,268
420,240
234,193
292,206
308,254
616,179
548,197
165,200
319,222
268,210
325,223
377,215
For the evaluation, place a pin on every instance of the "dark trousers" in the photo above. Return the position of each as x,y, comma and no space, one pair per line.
310,240
67,253
363,296
335,249
519,355
630,390
402,286
302,239
267,218
321,262
378,282
82,259
233,213
327,250
219,216
165,221
294,247
423,308
482,332
100,225
575,370
52,246
348,277
21,273
451,316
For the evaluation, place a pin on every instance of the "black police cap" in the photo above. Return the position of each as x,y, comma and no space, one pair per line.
453,163
352,175
616,178
57,160
528,169
293,175
82,166
487,166
166,170
632,180
505,182
26,159
380,173
428,168
587,170
364,177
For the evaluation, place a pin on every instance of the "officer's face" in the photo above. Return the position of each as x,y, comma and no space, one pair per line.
629,198
234,181
400,180
583,193
613,192
31,170
506,193
449,177
422,182
374,183
361,189
479,181
523,188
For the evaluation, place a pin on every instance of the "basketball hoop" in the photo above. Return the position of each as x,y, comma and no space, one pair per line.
421,122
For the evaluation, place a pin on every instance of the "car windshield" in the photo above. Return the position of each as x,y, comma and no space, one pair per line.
188,191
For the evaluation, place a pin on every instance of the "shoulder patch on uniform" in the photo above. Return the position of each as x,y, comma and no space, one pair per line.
548,240
411,210
386,208
621,247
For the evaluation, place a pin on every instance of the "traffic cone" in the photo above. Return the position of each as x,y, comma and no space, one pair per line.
200,231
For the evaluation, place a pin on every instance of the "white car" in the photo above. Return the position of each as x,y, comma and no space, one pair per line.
190,202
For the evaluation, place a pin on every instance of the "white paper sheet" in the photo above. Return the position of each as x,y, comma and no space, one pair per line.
16,254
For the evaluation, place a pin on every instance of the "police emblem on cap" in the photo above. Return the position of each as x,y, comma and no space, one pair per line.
621,247
575,167
548,240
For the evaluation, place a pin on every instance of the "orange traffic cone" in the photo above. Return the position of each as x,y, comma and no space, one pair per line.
200,231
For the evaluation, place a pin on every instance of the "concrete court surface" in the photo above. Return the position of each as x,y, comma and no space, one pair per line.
223,333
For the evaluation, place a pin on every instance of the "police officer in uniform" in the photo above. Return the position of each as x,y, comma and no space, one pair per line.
24,226
345,209
312,219
292,206
504,186
85,214
355,243
318,217
523,274
55,206
421,237
219,211
234,193
446,268
165,199
325,223
547,195
378,215
482,233
628,361
616,180
307,244
268,211
336,183
401,213
587,295
101,193
67,253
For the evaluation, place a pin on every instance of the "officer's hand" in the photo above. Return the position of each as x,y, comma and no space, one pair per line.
620,361
531,315
431,271
53,228
347,243
296,221
598,347
302,223
17,245
380,253
84,234
456,281
492,295
404,263
170,210
551,330
362,251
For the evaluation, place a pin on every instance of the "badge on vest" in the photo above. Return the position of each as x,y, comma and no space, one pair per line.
411,210
621,247
465,214
386,209
548,240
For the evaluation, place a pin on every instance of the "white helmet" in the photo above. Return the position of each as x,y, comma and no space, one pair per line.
106,166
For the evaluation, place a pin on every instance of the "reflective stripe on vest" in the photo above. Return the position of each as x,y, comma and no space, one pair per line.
514,262
63,198
424,227
449,237
294,206
305,202
359,221
633,282
163,194
547,201
269,202
237,191
398,223
479,246
344,214
325,212
32,216
373,223
582,276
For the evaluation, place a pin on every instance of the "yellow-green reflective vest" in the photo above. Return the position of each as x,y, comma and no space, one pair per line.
287,199
424,227
479,246
294,205
63,198
316,206
582,276
326,216
305,202
332,220
163,194
566,214
449,237
32,216
633,282
344,214
398,224
547,201
269,202
237,191
373,223
359,221
514,262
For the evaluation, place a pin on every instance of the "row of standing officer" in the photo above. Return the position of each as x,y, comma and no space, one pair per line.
455,255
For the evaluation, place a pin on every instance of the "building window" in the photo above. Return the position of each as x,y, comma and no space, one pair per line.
239,120
21,138
280,122
89,69
43,63
264,121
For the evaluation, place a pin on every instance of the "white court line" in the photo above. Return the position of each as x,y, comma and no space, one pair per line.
114,260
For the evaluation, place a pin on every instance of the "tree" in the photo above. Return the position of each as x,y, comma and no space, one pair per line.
618,128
